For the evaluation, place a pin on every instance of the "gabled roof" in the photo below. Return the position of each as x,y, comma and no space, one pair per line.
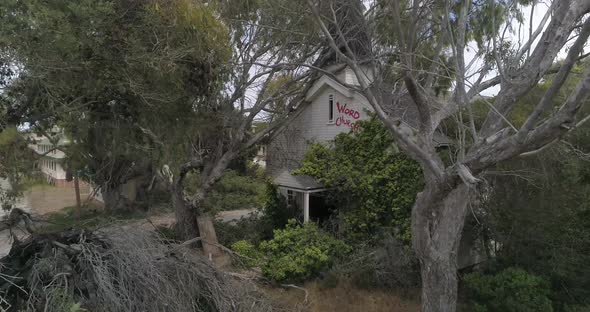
326,81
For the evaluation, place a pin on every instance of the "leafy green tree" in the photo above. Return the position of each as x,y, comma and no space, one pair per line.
141,85
536,214
539,218
16,165
370,180
429,42
104,70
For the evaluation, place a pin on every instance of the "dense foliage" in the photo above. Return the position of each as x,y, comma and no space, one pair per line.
106,70
236,191
372,183
511,290
540,220
258,226
16,164
298,253
248,255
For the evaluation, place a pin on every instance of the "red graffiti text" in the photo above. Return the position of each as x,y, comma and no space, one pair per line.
343,120
347,111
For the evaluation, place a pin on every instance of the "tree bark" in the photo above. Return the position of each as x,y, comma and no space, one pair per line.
207,230
437,224
112,199
78,210
186,218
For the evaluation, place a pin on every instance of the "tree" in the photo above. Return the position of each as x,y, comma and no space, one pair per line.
398,66
102,69
269,70
371,182
146,84
16,163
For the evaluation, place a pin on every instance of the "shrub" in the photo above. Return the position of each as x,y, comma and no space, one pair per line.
511,290
257,226
249,255
388,264
251,228
275,212
298,253
372,184
235,191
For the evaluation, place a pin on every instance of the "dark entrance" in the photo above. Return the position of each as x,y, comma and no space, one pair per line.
319,209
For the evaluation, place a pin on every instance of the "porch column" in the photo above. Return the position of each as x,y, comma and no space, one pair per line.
305,207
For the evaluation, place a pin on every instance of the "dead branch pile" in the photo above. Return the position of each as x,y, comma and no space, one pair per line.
121,269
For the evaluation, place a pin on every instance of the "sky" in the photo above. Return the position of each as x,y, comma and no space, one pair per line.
520,34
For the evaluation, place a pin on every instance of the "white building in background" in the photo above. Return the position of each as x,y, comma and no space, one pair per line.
51,157
331,109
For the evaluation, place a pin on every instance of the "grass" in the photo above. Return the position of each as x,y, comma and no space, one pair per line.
37,179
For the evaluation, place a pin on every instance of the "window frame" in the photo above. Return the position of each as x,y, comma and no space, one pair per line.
290,197
331,114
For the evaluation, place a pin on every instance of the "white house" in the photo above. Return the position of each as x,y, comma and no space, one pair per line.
51,158
332,109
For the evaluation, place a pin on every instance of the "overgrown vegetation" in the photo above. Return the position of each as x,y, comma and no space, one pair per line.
385,264
260,225
235,190
510,290
371,182
537,217
298,253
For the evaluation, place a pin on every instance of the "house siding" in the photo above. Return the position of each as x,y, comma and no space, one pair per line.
313,125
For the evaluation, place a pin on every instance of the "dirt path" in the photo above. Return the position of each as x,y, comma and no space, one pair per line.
44,199
40,200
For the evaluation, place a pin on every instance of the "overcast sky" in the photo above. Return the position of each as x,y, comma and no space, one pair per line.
520,34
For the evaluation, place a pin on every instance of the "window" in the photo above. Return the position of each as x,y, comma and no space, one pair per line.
331,108
290,197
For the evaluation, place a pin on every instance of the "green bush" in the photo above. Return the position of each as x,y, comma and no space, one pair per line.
511,290
248,255
276,213
251,228
235,191
371,182
298,253
258,226
577,308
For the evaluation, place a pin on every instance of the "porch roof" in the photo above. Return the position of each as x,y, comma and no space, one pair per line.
284,178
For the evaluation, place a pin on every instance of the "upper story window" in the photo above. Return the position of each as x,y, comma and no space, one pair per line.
331,108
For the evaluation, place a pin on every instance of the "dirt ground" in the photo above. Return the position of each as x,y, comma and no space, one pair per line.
44,199
343,298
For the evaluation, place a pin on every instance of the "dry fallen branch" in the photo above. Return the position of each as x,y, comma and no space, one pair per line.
297,287
117,269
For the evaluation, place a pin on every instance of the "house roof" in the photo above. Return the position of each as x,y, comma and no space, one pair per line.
284,178
326,81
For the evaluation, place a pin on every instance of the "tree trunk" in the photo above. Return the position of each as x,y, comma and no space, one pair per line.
437,223
186,218
78,210
190,223
111,199
210,243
